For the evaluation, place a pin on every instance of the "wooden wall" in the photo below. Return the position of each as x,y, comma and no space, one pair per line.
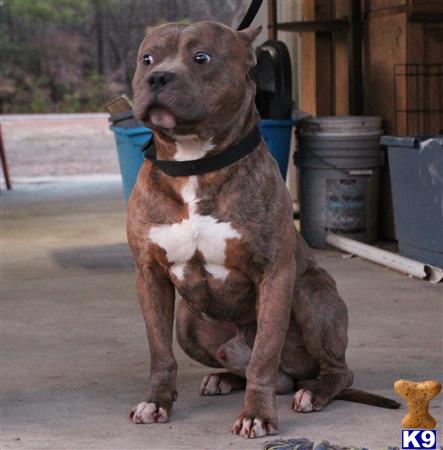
324,62
402,32
395,32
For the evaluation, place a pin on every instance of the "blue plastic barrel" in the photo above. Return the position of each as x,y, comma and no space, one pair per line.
277,134
129,142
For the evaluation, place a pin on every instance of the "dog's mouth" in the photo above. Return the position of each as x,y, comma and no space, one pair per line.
158,115
161,117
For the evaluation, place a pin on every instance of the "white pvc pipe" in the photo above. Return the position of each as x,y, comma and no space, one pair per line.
392,260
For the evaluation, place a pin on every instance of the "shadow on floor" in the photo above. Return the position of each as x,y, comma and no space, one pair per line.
111,256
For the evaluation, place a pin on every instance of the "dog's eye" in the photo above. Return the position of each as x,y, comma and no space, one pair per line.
147,59
202,58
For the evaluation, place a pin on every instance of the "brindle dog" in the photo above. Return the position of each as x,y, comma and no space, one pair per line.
226,242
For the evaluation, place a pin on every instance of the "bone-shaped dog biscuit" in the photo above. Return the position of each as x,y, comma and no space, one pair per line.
418,395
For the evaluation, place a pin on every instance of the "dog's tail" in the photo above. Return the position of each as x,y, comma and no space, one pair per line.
357,396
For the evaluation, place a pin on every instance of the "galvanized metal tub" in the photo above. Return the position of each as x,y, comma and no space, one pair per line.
339,159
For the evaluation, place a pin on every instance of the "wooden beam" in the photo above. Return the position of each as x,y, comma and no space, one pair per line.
416,12
317,26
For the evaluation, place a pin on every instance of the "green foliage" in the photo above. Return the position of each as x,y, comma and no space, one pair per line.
91,97
71,102
39,101
66,12
95,95
27,29
15,53
75,55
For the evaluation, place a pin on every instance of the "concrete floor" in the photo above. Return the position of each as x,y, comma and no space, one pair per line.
75,354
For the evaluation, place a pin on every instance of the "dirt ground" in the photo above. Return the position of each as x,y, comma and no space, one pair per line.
59,145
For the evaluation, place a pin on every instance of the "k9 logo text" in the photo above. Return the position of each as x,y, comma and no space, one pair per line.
418,439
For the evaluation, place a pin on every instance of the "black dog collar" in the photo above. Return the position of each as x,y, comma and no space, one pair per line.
211,163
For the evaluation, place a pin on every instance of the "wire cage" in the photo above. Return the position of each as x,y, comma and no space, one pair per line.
418,99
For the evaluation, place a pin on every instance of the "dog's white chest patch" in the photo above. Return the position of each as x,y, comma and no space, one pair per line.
204,233
191,147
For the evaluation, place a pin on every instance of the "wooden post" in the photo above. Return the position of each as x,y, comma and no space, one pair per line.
4,163
272,19
355,59
325,80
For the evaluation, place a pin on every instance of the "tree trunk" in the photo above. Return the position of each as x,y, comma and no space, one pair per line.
99,31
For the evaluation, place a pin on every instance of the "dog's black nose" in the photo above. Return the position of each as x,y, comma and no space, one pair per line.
159,79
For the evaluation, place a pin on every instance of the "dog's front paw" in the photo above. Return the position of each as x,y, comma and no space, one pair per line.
146,412
251,426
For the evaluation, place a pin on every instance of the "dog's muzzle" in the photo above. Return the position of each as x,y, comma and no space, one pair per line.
158,80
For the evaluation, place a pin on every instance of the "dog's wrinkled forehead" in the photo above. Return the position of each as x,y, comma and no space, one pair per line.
175,41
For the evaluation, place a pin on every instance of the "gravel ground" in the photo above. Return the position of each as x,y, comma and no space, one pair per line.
56,145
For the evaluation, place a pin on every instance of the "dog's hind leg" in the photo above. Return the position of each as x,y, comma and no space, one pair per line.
221,383
323,320
236,354
201,340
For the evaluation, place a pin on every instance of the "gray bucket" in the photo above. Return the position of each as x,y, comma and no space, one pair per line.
339,159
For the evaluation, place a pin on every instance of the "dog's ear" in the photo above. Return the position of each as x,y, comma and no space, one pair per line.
248,35
148,29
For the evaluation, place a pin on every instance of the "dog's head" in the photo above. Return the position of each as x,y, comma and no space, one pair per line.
188,76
